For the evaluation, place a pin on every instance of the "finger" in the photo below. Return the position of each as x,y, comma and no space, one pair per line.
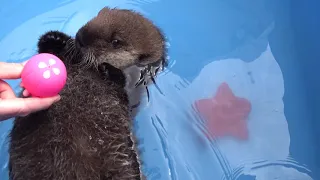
24,62
11,70
25,93
8,117
4,117
24,106
6,91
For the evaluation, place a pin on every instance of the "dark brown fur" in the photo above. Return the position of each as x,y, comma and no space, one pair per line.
87,135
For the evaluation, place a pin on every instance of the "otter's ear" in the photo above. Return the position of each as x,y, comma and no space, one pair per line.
104,11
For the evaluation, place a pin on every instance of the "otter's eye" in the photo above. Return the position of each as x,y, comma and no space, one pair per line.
116,43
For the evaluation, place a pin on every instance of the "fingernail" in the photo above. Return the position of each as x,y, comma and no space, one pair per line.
57,99
24,115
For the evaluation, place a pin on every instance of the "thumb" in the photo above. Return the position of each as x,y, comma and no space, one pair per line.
24,106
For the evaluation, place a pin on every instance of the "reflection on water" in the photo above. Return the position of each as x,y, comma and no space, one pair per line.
210,42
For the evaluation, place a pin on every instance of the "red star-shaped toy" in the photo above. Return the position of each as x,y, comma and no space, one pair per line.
225,114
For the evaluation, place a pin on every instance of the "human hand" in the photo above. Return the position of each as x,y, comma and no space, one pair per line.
12,106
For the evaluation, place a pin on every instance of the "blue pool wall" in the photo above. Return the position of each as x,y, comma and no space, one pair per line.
305,19
294,41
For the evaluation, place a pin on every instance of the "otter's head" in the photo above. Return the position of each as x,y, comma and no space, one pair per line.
120,38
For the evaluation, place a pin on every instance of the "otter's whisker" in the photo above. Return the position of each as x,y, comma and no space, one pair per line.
142,78
157,70
85,62
148,94
155,84
93,61
75,53
69,50
89,61
139,82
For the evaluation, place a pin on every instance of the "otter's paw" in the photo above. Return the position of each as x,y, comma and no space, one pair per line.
53,42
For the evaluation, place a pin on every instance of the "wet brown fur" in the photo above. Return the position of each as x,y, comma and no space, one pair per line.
87,135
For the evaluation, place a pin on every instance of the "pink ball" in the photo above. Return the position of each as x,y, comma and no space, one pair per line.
44,75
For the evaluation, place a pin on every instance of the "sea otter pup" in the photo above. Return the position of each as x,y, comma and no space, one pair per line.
87,135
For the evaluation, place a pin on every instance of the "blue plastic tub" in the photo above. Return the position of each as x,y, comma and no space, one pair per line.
267,51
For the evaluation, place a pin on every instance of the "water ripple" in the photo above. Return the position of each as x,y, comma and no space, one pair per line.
289,165
163,135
